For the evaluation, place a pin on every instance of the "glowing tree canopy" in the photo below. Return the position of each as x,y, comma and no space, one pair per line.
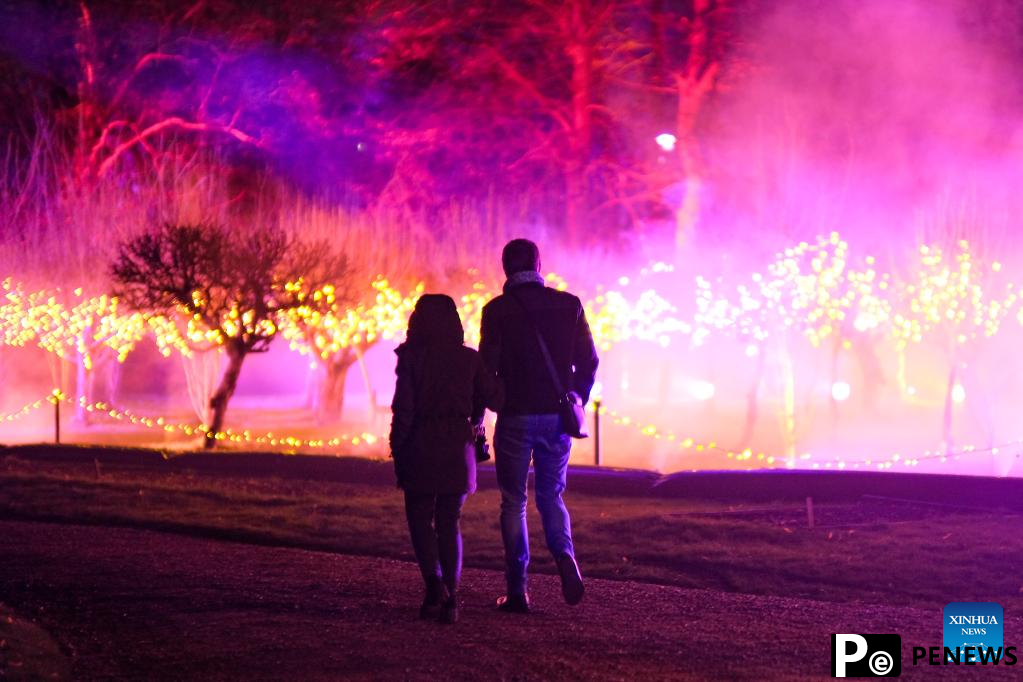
954,301
337,334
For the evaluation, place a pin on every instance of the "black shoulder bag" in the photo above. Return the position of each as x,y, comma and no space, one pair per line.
570,405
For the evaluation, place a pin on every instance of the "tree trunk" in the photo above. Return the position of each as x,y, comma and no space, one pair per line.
580,52
218,403
573,202
900,373
752,404
371,394
202,370
694,83
946,424
872,373
80,417
836,351
788,406
114,382
332,401
688,211
313,387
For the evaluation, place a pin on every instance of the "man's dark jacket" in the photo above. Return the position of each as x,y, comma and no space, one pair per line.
509,347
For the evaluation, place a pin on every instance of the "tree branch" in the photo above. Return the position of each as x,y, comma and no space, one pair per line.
169,123
146,60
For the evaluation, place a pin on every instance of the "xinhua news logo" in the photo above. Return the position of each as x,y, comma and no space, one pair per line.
866,655
975,628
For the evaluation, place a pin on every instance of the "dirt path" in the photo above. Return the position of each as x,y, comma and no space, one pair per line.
144,605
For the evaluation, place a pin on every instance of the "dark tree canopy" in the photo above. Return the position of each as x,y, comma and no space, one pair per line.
235,283
230,287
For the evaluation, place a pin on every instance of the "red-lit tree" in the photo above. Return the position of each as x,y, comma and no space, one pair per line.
671,62
511,91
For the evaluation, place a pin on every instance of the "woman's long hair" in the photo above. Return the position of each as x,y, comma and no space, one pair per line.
434,322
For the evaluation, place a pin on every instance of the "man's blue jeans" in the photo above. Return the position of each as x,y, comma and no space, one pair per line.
516,440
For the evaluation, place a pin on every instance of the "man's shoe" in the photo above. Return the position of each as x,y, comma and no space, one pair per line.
571,580
449,612
514,603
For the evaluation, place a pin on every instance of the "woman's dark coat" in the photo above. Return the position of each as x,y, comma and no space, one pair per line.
441,387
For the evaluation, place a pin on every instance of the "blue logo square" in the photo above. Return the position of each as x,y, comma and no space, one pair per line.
975,624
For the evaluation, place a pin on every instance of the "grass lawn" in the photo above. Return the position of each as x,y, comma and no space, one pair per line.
867,552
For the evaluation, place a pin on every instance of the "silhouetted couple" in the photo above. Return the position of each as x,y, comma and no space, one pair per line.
442,392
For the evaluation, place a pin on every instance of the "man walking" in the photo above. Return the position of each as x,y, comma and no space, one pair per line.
529,427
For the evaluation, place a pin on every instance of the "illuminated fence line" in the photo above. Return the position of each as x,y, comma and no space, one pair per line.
246,436
616,418
685,444
163,424
884,463
27,409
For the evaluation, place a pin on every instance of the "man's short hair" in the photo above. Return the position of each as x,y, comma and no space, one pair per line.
520,255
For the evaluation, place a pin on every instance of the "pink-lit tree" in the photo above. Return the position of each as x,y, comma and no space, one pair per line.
527,107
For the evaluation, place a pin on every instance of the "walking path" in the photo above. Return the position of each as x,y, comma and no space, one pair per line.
133,604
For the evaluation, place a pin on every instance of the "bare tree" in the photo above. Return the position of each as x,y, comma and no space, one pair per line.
232,287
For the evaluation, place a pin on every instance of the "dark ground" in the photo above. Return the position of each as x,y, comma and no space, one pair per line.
865,552
133,604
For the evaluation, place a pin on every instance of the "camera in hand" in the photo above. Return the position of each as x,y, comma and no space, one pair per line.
482,448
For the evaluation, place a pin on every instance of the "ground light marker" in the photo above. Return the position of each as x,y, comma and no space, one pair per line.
56,398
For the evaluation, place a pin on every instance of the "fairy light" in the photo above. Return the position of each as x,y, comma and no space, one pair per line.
685,444
470,309
614,319
613,316
952,297
322,328
363,439
693,446
68,324
27,409
327,333
810,289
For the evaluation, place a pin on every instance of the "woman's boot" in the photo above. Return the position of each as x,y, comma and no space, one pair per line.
436,597
449,611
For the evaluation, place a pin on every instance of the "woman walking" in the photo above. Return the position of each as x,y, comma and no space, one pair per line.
442,390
